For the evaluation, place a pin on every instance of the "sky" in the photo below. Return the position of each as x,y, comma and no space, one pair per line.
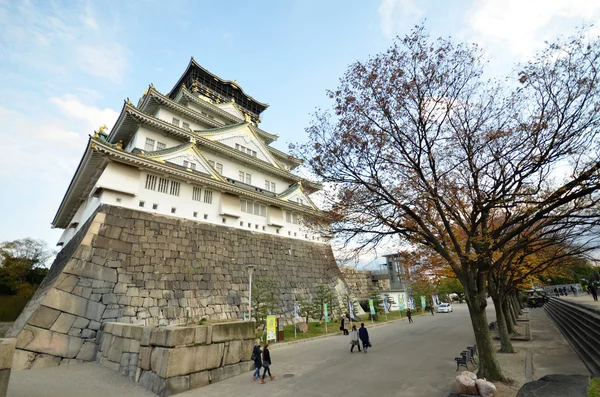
67,66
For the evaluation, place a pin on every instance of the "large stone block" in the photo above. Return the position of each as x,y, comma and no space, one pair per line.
144,358
176,385
43,341
179,361
7,351
151,381
65,302
111,244
87,352
22,360
233,353
45,361
4,378
63,323
90,270
199,379
44,317
233,331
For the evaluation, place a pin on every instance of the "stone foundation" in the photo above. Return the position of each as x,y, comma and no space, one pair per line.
139,268
7,350
171,360
358,281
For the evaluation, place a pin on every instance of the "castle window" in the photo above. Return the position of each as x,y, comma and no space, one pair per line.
248,179
273,187
294,234
205,216
173,210
175,188
142,204
186,164
208,196
163,185
176,121
288,217
195,214
224,220
185,125
212,163
249,224
193,166
220,168
263,228
241,223
154,206
118,199
300,201
289,233
256,227
149,145
241,176
196,194
150,182
295,218
161,145
267,185
277,230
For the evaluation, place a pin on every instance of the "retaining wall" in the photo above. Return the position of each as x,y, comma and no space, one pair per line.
7,350
171,360
139,268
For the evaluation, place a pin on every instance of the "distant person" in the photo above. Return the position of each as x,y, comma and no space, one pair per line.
564,291
354,339
363,334
431,309
409,316
573,290
266,364
556,292
345,324
256,353
593,291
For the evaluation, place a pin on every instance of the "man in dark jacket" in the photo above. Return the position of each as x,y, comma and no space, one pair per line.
256,357
363,334
594,291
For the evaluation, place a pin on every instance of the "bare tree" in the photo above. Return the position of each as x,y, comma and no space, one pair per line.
421,147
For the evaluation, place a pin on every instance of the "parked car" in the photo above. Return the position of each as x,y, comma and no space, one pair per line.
444,308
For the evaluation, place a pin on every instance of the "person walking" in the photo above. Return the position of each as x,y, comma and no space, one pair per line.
363,334
573,290
256,353
409,316
431,309
593,291
556,292
346,324
266,363
354,339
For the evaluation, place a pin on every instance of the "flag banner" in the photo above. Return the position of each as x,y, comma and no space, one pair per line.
386,306
351,309
411,303
325,312
296,316
271,328
400,302
423,302
436,301
371,306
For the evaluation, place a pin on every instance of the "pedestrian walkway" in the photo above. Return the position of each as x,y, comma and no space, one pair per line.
583,299
552,354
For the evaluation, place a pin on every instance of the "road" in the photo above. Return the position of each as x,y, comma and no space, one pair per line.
408,360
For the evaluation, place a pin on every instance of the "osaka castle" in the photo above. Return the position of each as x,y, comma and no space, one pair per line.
197,153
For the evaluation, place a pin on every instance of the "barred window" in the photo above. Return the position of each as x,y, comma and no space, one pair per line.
248,179
186,164
175,188
196,194
212,163
193,166
242,176
150,182
176,121
243,205
149,146
185,125
208,196
163,185
161,145
220,168
295,218
273,187
263,210
267,185
256,209
288,217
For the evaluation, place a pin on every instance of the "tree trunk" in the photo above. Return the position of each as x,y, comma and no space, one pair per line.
502,322
508,315
513,309
489,367
518,304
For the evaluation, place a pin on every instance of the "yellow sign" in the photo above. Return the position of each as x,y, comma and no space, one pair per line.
271,328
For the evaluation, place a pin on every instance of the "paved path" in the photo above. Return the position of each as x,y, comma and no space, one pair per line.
583,299
408,360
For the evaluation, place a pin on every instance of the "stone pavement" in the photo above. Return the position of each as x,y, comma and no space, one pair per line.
584,299
552,354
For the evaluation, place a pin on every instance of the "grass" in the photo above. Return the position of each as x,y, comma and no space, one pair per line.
594,390
11,306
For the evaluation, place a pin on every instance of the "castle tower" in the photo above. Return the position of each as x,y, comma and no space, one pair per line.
163,216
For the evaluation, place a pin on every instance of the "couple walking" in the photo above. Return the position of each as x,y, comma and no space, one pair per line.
259,363
361,334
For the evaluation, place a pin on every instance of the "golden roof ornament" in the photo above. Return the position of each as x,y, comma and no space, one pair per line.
127,101
102,129
192,140
195,85
247,118
119,145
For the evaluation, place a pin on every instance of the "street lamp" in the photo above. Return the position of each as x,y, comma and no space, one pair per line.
250,271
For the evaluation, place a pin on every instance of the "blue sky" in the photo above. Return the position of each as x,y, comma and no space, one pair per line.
67,66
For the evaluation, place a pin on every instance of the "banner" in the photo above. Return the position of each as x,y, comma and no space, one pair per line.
411,303
271,328
386,306
400,302
325,312
435,299
351,309
244,316
371,306
423,302
296,316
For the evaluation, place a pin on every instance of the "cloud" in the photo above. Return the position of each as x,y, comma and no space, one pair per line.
520,27
108,62
394,14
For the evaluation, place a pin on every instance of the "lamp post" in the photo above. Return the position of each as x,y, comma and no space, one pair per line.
250,271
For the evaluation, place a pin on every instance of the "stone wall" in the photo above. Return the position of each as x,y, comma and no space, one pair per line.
7,350
171,360
138,268
358,281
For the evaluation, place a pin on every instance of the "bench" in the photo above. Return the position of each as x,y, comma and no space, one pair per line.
466,356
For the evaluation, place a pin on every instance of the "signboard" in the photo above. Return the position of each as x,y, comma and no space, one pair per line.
371,306
400,302
271,328
325,312
423,302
